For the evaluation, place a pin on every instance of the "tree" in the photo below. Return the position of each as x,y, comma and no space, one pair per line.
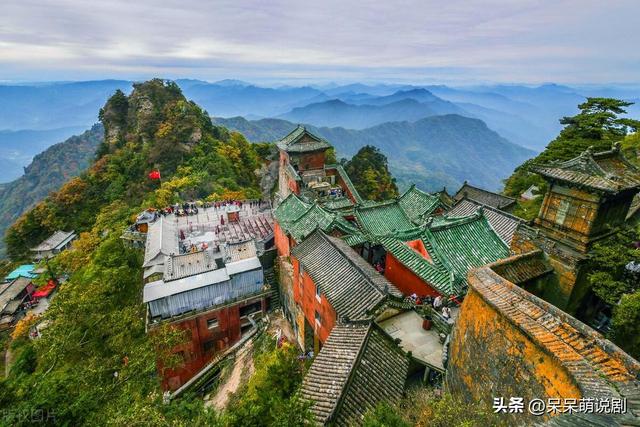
369,171
597,125
625,324
424,407
270,397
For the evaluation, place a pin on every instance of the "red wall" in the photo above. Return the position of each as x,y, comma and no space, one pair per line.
293,185
305,296
405,280
281,240
223,336
308,161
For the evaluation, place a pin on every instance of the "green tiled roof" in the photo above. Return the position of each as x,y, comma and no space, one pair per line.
314,217
300,219
290,209
417,203
293,143
293,173
383,218
464,243
455,245
355,239
433,273
339,203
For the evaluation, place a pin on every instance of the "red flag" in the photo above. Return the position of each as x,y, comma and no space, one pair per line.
154,174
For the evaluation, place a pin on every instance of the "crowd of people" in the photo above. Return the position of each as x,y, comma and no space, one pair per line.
439,304
191,207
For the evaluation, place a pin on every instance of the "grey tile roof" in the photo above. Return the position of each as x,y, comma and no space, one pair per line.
484,196
294,143
239,251
358,367
13,290
503,223
350,284
190,264
59,238
162,240
607,171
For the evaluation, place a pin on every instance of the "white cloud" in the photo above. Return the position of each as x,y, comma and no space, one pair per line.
499,40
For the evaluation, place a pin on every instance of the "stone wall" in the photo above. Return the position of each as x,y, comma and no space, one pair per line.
490,358
509,343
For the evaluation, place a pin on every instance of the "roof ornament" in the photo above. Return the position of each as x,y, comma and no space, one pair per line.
429,221
480,210
616,147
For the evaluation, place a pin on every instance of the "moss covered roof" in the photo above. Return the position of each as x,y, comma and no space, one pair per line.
295,142
417,203
383,218
607,171
455,245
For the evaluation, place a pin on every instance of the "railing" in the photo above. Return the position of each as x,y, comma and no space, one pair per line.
439,321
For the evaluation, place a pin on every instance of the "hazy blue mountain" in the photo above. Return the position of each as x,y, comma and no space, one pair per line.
376,89
433,152
17,148
238,99
55,105
337,113
528,115
515,128
48,171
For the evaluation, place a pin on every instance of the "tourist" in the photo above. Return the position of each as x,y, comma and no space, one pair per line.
446,312
437,302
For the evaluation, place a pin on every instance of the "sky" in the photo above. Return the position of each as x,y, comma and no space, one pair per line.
421,41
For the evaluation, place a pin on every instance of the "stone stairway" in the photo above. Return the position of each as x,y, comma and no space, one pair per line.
274,299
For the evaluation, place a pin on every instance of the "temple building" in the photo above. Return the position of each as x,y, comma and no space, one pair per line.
332,283
304,171
485,197
588,198
53,245
204,273
359,366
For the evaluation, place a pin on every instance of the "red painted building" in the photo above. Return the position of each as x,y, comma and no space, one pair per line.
209,333
332,282
209,295
406,280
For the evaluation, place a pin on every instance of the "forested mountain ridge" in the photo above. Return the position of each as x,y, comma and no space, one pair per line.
432,152
95,354
47,172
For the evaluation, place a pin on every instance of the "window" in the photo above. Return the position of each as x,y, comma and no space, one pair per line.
318,318
209,346
212,323
318,293
301,270
250,309
561,214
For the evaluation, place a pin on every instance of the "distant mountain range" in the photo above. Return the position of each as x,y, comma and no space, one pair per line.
17,148
433,152
48,171
366,112
527,116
